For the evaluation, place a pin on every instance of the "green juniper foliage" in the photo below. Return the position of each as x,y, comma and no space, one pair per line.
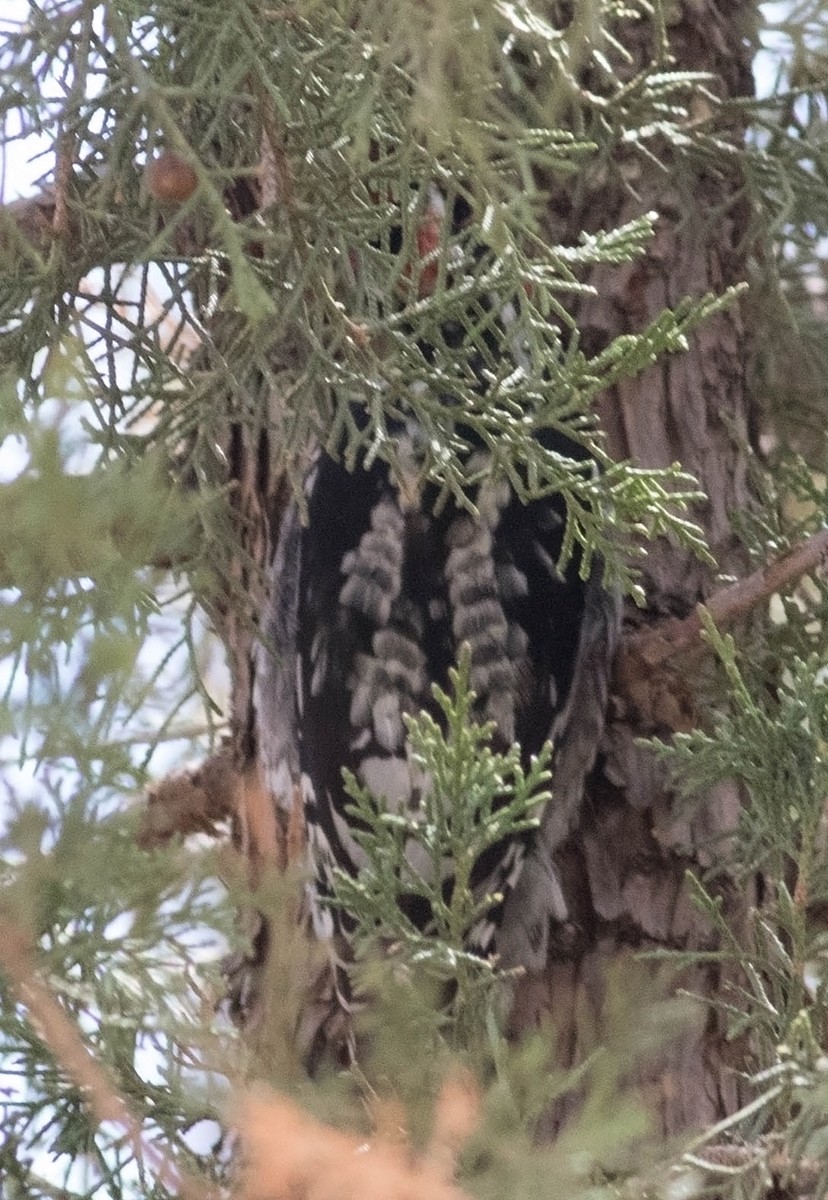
290,303
476,799
125,942
135,333
774,745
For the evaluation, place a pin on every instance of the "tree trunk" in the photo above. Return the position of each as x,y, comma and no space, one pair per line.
625,867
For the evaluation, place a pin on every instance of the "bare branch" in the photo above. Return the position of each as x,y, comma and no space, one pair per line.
652,686
657,643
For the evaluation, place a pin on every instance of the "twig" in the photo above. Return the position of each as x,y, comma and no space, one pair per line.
790,1176
657,643
63,177
63,1039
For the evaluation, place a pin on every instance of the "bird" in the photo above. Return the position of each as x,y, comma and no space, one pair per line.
377,582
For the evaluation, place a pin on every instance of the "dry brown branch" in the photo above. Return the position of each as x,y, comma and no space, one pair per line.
64,1041
659,642
655,689
64,157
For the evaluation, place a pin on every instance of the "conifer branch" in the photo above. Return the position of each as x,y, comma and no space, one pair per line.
61,1036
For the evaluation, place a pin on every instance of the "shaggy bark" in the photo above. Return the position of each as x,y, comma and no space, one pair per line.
626,866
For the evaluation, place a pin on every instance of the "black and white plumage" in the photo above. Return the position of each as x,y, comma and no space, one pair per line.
372,596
